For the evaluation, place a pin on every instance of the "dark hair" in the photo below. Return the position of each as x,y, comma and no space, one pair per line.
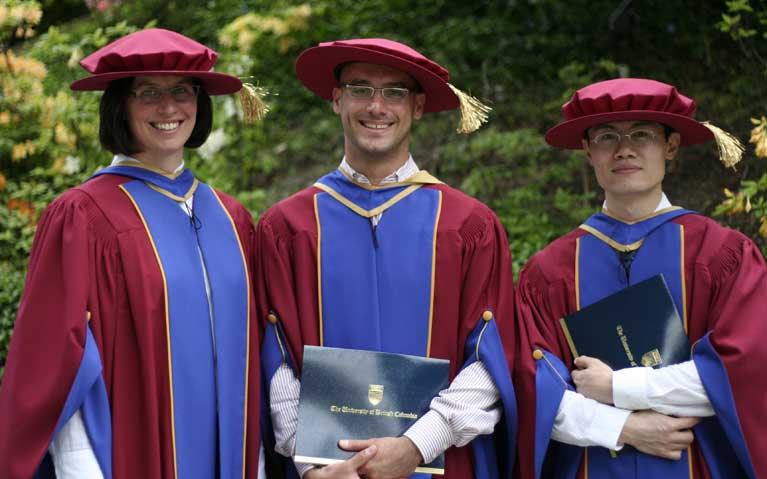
114,133
667,131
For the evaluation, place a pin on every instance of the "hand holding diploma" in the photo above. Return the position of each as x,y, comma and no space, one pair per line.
397,456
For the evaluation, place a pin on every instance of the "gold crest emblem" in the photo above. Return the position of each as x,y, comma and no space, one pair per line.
375,393
652,358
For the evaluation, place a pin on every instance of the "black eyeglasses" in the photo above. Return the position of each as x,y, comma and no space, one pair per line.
390,94
181,93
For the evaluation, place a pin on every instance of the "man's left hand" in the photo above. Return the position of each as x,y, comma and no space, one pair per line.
593,379
397,457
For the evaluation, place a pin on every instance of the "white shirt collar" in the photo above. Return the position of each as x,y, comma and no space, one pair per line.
403,172
664,203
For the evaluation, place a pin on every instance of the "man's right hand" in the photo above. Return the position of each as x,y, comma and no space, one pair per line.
344,470
657,434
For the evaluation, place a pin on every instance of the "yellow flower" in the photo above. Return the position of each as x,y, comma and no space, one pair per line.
763,227
246,30
23,207
737,205
18,152
759,136
733,203
58,164
25,32
302,11
285,44
47,113
241,31
18,91
64,136
274,25
33,14
245,40
22,150
298,17
17,14
75,57
756,135
761,149
5,117
22,65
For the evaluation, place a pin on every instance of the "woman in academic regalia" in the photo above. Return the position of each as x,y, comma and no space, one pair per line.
134,353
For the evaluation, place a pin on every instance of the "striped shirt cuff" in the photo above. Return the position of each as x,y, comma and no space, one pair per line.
303,468
431,435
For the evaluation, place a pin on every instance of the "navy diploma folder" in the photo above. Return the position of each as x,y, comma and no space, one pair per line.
352,394
637,326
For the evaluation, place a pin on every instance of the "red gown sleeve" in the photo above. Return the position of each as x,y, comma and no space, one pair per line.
474,298
286,279
489,284
732,287
540,300
48,338
488,288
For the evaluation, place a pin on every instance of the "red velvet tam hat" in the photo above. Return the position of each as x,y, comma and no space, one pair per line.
155,51
627,99
316,68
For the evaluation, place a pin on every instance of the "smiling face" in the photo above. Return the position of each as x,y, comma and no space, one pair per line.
631,171
160,129
377,131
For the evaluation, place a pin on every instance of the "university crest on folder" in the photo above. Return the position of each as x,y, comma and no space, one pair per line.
333,403
638,320
375,394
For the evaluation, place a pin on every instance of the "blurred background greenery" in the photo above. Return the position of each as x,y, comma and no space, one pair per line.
523,57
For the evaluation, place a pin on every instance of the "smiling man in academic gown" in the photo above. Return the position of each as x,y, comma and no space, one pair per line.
381,256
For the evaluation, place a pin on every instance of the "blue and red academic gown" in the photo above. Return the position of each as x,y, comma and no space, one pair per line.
420,283
718,280
115,321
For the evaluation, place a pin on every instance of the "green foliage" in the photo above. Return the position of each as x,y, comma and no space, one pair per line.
742,21
751,200
746,22
529,186
11,283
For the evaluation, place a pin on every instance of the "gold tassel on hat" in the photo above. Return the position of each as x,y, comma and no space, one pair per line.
730,148
254,107
473,112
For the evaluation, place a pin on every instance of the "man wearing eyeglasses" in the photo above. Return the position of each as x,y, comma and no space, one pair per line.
693,419
379,255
